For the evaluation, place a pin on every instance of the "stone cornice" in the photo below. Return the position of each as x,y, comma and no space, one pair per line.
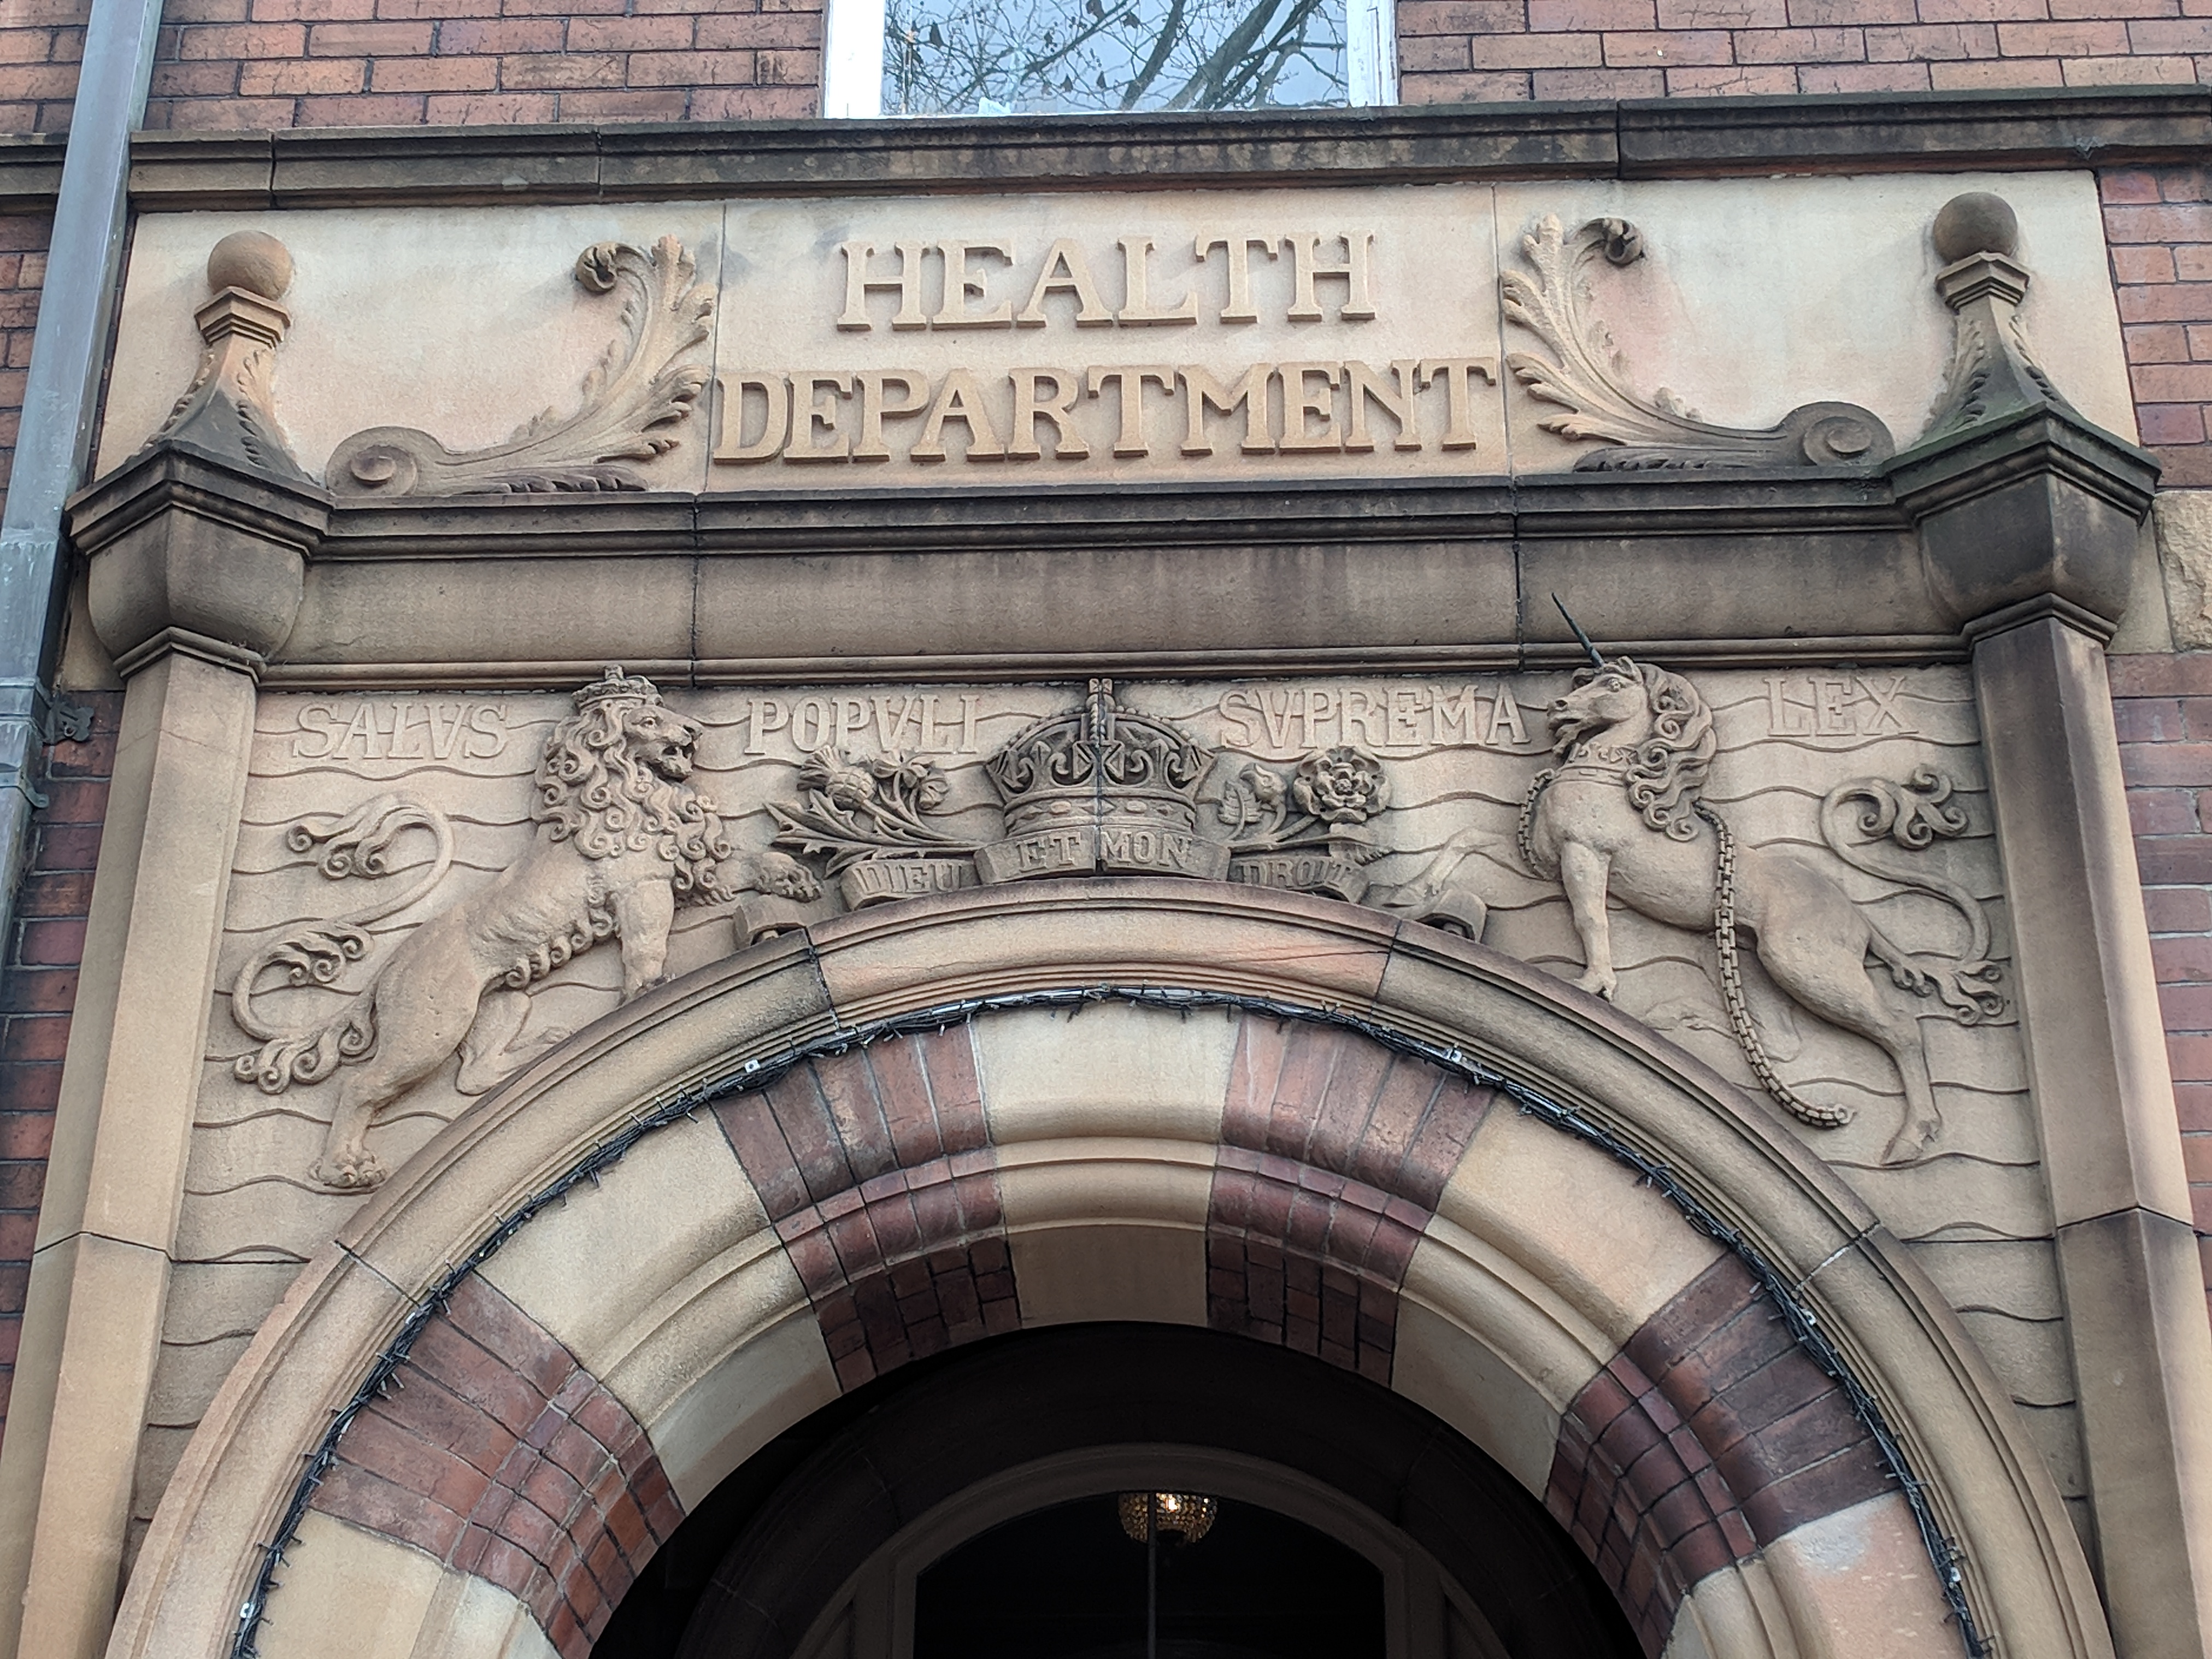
30,170
1425,576
1646,138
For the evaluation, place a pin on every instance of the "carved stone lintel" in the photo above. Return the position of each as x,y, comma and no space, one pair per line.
1586,376
229,410
637,391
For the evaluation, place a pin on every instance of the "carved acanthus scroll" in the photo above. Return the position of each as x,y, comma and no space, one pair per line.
1586,376
638,391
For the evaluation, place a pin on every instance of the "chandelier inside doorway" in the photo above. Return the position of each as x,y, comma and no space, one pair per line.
1149,1517
1185,1516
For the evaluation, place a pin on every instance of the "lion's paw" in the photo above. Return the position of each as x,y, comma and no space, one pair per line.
787,878
349,1172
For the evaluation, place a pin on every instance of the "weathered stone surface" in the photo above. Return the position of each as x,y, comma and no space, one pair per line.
2183,522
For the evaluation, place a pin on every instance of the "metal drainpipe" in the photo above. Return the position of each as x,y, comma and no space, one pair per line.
84,272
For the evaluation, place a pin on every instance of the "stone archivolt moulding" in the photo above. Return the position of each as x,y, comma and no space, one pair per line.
1586,376
637,391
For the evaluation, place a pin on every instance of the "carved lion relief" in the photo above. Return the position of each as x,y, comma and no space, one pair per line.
623,839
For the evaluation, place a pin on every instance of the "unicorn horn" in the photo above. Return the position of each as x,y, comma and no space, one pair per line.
1597,660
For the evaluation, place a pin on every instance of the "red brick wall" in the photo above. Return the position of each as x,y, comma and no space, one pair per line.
259,63
23,237
2163,706
2158,227
40,43
1458,50
37,988
39,954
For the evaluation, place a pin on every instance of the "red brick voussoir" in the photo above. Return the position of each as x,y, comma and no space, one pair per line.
1711,1434
1335,1153
500,1454
875,1169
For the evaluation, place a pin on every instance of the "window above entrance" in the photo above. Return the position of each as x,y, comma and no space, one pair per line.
893,57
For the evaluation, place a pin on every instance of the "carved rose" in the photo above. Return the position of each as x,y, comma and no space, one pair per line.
921,781
1343,785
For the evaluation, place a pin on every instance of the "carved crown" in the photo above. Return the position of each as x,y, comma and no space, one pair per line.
614,684
1101,756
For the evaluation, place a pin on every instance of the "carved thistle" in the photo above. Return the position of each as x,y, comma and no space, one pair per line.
629,402
229,410
1585,375
623,839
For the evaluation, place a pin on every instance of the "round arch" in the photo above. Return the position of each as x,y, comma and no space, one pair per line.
1170,1102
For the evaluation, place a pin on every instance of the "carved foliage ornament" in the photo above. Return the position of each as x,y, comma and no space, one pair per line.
628,403
1585,375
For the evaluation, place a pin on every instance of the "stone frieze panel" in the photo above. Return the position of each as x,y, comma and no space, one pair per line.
387,838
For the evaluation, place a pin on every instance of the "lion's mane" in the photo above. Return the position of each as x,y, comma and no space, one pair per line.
593,790
1667,772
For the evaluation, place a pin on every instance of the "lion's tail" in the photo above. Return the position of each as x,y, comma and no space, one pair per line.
1915,815
355,843
309,1056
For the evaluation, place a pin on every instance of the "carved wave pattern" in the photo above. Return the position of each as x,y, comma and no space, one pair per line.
1976,1212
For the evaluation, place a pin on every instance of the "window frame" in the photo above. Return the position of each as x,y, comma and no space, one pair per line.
853,57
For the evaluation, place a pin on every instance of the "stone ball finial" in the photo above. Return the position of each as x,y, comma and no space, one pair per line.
250,259
1977,223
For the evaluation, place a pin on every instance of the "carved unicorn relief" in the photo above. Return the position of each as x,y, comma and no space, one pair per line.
1622,816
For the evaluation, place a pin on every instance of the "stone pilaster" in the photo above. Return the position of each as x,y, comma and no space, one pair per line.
2028,517
197,564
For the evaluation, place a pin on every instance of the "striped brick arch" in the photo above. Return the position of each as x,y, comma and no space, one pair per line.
1706,1435
1269,1174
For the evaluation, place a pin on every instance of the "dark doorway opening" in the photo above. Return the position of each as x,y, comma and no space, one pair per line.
758,1565
1070,1581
